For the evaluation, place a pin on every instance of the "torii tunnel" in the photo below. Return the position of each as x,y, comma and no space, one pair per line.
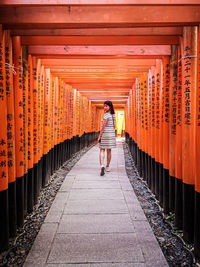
60,60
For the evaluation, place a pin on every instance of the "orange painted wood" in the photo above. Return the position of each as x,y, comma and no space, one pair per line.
18,96
189,103
158,89
153,111
101,31
100,40
197,173
30,113
87,16
173,109
161,102
145,81
3,118
130,50
101,62
35,112
10,109
178,144
25,114
47,100
149,112
98,2
166,85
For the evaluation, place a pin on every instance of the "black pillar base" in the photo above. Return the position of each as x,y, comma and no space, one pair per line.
172,193
166,190
197,225
161,184
153,175
36,193
179,203
149,172
188,212
4,221
30,201
20,201
157,179
25,193
12,209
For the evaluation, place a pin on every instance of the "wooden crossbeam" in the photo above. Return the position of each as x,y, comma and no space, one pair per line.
99,31
130,50
100,40
49,17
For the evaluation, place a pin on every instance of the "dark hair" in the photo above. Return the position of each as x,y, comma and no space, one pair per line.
110,104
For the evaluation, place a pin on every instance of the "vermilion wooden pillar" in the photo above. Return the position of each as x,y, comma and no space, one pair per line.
19,141
189,71
197,168
11,137
4,221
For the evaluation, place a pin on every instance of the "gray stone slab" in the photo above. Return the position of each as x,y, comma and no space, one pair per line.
95,206
96,223
67,183
40,250
90,177
96,184
95,194
95,248
57,207
121,264
151,250
126,186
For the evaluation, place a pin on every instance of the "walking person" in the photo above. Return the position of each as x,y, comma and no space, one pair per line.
106,138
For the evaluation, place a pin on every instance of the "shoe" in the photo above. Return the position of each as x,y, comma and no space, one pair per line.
108,169
102,171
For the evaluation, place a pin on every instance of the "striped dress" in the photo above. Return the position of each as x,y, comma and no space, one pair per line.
108,140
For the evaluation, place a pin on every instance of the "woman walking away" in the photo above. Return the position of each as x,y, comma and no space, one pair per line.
106,137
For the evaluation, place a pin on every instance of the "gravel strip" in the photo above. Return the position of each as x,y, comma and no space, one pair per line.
177,253
20,246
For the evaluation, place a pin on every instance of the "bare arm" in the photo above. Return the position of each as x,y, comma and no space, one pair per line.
102,129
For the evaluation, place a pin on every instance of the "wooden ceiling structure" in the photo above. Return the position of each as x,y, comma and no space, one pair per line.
99,46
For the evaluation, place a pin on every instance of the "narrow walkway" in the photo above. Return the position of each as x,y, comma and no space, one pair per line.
96,221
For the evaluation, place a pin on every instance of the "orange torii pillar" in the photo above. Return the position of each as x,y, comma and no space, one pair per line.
4,221
158,87
30,188
153,119
166,84
197,173
149,127
178,148
25,127
172,125
189,63
10,137
19,134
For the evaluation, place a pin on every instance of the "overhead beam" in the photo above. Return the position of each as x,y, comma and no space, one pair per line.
101,62
137,50
104,31
91,16
101,40
95,86
97,2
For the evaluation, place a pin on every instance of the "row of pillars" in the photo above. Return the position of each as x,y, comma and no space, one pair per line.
163,132
44,121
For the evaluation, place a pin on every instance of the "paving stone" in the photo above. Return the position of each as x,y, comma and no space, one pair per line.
95,206
96,223
95,248
121,264
42,245
96,184
90,177
95,194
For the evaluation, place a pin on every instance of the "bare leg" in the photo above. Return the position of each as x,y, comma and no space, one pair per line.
108,157
102,156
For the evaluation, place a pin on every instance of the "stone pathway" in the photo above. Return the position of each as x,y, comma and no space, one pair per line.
96,221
